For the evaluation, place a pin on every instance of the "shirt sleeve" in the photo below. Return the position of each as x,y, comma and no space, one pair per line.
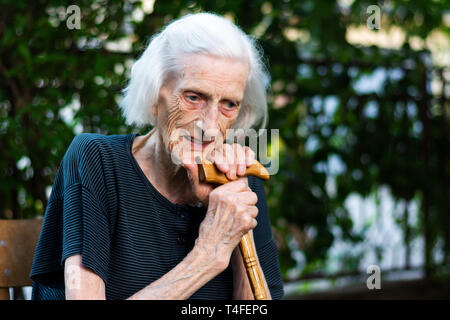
85,230
265,243
76,219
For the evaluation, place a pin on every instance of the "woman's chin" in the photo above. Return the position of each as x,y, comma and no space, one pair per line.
184,153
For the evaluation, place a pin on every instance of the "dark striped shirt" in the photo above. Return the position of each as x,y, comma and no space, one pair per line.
103,207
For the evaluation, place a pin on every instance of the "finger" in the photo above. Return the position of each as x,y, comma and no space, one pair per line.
220,161
254,223
239,155
250,156
252,211
209,155
192,170
229,155
248,223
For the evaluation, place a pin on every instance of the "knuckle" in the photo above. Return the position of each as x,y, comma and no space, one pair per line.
218,159
229,198
215,194
240,210
249,151
246,221
239,183
222,201
253,198
226,198
238,149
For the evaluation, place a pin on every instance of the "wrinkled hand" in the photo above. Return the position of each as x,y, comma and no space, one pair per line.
232,160
231,214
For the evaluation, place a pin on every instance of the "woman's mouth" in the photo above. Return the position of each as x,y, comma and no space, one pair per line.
198,144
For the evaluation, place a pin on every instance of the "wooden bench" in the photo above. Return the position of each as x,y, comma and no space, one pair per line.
18,240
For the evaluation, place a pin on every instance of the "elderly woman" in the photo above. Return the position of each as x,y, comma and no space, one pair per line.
128,217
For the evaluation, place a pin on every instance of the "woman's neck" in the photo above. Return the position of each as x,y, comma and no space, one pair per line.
155,161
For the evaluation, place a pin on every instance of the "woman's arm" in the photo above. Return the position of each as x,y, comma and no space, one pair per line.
181,282
82,283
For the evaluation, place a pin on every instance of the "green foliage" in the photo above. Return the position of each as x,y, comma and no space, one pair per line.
395,136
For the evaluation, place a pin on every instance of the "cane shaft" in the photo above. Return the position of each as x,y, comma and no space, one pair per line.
209,173
253,270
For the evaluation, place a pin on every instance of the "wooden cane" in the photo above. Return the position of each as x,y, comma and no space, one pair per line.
209,173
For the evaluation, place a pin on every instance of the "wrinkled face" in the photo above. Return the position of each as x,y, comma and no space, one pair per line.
195,110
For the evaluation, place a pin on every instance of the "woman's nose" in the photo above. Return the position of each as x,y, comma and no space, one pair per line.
209,125
211,117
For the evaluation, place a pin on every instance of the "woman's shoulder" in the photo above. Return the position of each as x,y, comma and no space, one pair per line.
92,161
91,154
91,144
91,139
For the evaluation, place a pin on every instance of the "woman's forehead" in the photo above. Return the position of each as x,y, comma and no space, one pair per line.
213,73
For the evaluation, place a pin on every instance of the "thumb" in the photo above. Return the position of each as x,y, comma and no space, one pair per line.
191,169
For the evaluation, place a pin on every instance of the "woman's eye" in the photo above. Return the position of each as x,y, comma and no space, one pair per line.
231,105
193,98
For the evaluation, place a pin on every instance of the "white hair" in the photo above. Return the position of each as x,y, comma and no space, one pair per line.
201,33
